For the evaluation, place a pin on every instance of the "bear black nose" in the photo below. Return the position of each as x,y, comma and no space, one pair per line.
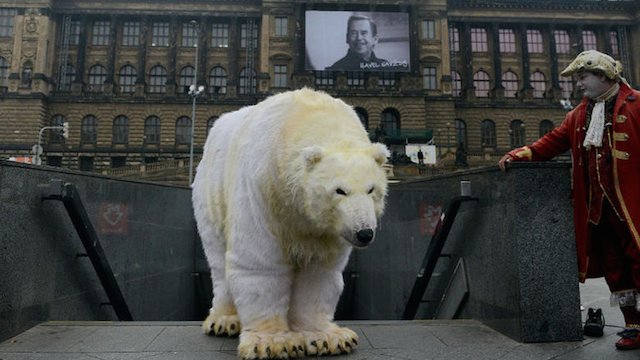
365,236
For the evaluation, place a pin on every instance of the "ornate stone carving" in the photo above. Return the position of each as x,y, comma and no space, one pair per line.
29,49
31,20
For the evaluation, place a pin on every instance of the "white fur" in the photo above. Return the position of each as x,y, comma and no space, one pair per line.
281,192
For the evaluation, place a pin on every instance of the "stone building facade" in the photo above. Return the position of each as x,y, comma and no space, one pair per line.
483,76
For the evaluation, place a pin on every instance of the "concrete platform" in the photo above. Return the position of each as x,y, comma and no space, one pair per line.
419,340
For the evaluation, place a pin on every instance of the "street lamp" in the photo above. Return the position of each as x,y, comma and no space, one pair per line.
194,91
37,149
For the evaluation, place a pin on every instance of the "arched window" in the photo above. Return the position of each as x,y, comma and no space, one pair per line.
364,117
120,130
545,127
97,77
210,123
461,134
488,133
247,81
183,131
482,83
4,72
456,84
186,79
157,80
152,130
510,84
55,135
390,122
517,134
89,130
128,77
538,84
218,81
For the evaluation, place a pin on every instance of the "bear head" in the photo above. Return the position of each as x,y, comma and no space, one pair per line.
345,190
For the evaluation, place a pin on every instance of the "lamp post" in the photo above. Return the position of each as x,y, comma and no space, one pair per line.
37,149
194,91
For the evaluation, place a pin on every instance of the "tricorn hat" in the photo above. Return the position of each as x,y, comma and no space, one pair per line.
594,60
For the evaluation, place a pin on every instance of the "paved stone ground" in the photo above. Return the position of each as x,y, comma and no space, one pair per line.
407,340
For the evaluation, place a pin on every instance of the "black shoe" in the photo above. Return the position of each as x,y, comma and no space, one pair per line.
594,324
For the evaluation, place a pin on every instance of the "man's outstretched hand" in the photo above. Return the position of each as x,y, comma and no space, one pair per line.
503,162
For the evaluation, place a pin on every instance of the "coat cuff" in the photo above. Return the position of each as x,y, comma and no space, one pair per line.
521,154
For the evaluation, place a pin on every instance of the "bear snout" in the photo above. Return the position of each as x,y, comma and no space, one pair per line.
364,236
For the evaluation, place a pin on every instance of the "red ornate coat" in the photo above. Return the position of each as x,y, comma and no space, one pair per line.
626,167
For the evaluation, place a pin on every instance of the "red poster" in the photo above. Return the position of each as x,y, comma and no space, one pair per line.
113,218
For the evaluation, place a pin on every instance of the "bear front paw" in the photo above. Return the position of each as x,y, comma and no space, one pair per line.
262,345
335,341
221,325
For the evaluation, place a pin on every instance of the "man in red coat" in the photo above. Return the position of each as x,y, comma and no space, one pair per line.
603,134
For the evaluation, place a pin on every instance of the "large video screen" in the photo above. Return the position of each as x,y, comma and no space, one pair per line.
357,41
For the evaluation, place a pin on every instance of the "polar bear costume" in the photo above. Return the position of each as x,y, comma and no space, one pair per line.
284,190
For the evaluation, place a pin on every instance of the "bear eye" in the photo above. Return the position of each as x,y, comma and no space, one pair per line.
371,190
339,191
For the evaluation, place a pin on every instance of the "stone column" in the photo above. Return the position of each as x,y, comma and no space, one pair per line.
78,84
498,89
234,55
527,90
203,27
466,56
142,56
556,90
111,55
172,56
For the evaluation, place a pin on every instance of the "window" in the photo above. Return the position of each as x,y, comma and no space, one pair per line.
488,133
100,33
280,75
183,130
55,135
152,130
131,33
68,78
218,81
247,35
545,127
566,84
74,33
589,41
428,29
364,117
510,84
189,34
86,163
613,39
128,76
89,130
210,123
4,72
517,134
186,79
282,26
54,161
461,134
120,130
479,40
534,41
429,81
247,81
355,78
220,35
456,84
157,80
160,34
563,42
507,41
454,39
482,84
97,77
118,161
6,22
386,79
538,84
323,78
390,122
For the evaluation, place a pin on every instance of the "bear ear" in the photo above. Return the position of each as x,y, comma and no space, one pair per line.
311,155
380,153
